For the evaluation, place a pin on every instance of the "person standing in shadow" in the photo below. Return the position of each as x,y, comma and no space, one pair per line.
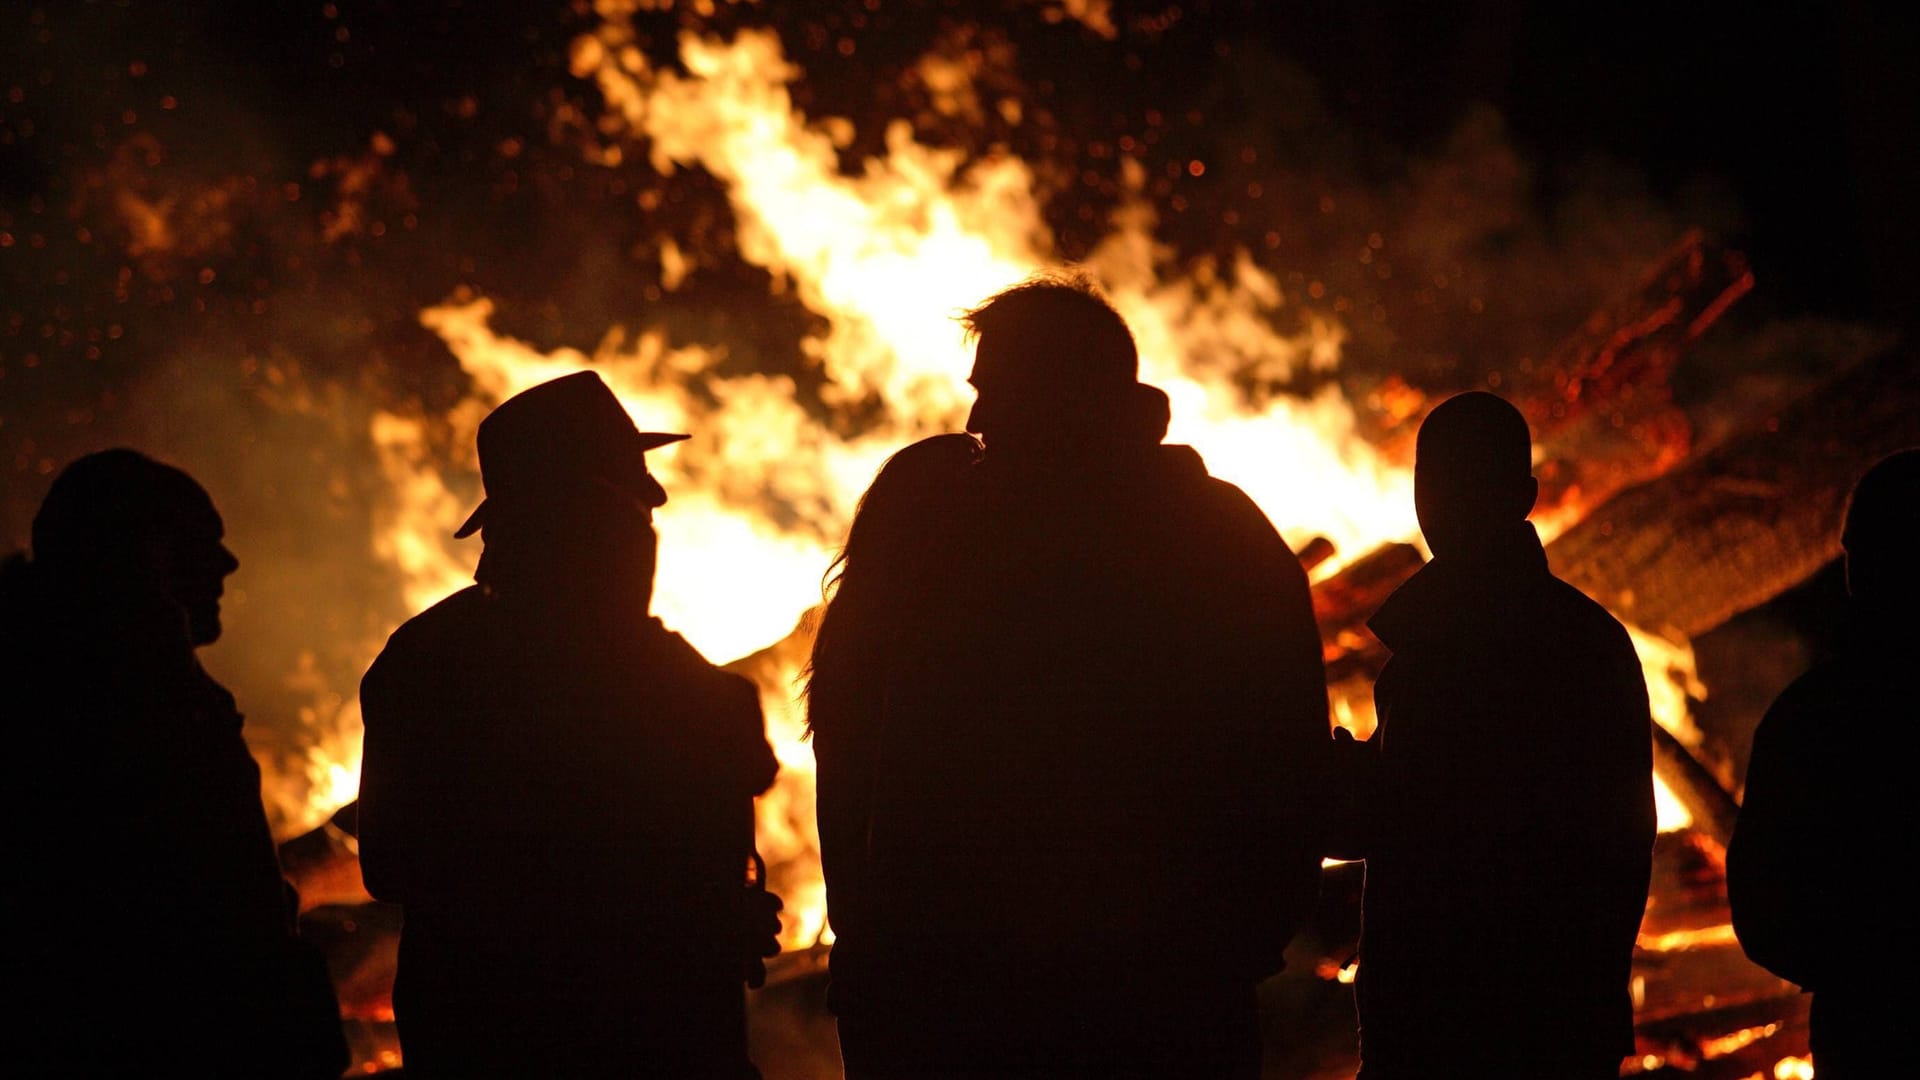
1505,805
897,574
1824,825
1062,802
558,790
152,933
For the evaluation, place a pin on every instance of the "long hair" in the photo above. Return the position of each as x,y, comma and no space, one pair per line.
905,531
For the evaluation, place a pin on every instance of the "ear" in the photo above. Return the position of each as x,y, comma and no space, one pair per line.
1152,412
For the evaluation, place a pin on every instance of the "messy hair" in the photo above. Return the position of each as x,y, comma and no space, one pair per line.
1065,310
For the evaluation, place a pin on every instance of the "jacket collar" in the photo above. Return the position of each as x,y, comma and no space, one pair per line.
1425,606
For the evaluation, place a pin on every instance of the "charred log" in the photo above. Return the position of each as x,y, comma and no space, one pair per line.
1599,404
1724,533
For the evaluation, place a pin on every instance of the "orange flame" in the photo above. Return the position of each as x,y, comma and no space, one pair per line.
761,495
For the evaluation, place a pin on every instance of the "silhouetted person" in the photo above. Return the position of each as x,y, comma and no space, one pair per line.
1057,808
1508,819
557,789
896,573
150,931
1827,826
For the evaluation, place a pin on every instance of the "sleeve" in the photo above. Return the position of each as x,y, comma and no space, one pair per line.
1293,696
1625,823
842,712
386,814
1774,863
748,725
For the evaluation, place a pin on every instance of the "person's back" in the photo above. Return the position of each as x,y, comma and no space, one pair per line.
565,813
1079,857
1093,756
1822,791
557,790
160,932
1508,827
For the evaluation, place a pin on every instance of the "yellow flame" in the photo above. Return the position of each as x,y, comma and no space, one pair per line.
1793,1068
1735,1041
1673,682
1705,937
762,493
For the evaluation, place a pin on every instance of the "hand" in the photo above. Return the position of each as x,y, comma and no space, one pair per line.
759,933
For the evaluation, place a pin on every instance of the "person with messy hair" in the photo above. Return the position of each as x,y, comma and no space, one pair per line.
1061,776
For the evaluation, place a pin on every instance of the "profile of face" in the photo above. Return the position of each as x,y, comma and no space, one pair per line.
121,526
190,567
589,541
1010,406
1037,410
1471,473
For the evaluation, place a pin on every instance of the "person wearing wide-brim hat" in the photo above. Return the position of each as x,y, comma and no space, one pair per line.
558,789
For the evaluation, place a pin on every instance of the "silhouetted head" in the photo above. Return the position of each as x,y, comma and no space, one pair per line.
1055,370
1882,535
901,551
1472,472
119,522
569,497
911,508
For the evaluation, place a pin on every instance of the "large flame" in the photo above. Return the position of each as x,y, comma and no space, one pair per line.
762,493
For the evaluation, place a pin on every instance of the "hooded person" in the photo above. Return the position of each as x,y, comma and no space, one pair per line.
1815,801
155,933
558,790
1059,797
1504,805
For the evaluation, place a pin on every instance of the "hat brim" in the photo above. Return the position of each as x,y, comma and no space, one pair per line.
649,440
473,523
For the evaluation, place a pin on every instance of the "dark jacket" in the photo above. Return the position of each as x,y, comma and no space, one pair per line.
152,931
1076,796
1825,831
564,807
1509,828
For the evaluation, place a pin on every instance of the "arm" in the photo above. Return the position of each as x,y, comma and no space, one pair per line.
843,717
1774,863
384,814
1292,676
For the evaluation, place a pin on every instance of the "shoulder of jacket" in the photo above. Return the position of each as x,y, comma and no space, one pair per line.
431,631
1814,692
1590,616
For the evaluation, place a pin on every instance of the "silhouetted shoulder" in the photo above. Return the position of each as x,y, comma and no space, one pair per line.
1182,468
1588,616
418,651
742,725
458,612
1817,689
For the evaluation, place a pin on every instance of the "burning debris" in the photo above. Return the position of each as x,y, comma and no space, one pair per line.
695,204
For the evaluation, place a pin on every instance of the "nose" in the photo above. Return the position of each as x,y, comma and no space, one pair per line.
228,562
976,416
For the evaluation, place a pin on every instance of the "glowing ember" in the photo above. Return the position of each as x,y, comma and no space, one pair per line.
1793,1068
1736,1041
1706,937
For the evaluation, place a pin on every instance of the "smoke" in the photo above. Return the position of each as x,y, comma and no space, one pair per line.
236,281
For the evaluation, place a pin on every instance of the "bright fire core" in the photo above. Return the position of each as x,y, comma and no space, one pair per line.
762,493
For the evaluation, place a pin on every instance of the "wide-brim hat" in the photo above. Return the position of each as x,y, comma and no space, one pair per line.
556,436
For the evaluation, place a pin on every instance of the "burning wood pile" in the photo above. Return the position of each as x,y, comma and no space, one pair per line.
741,261
1675,542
